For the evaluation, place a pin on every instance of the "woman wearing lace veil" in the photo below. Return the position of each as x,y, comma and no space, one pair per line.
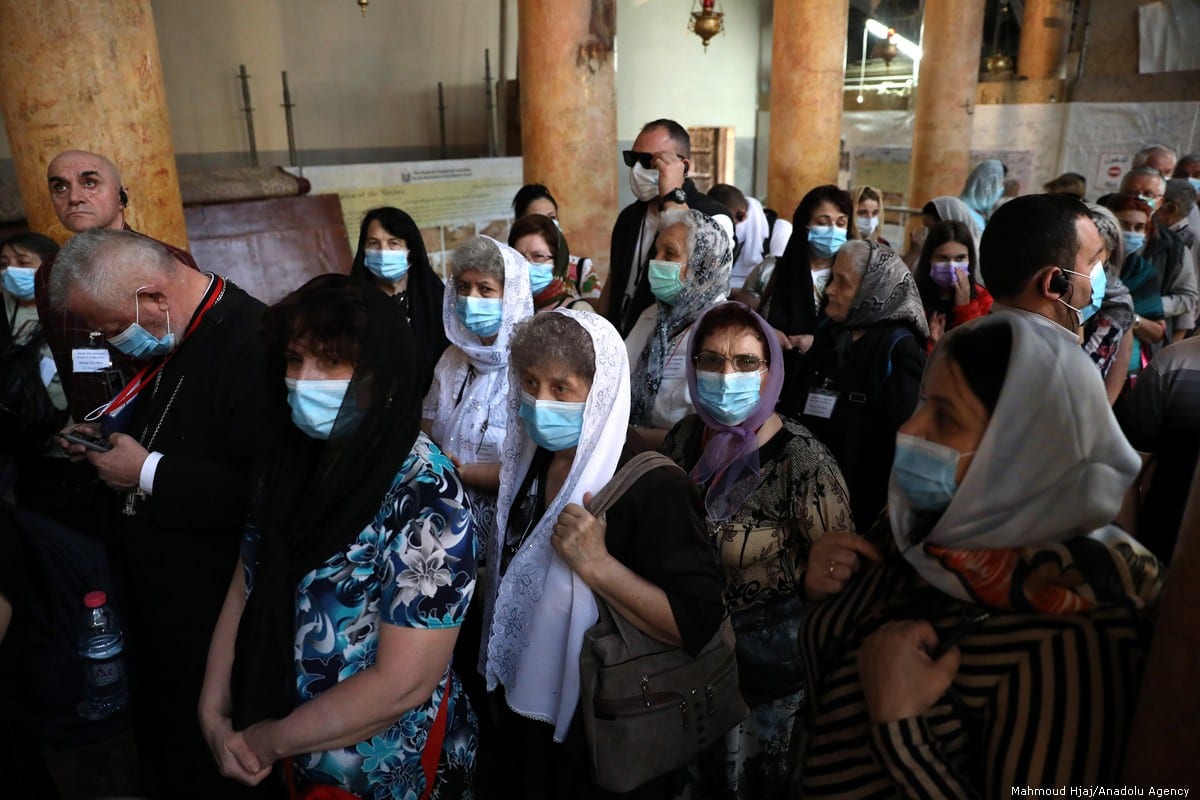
568,414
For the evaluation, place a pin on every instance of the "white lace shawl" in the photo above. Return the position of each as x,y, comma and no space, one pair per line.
460,426
534,620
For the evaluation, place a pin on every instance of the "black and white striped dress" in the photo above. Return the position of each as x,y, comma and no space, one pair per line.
1039,699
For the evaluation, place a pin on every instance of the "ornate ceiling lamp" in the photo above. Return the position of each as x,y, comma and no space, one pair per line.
707,22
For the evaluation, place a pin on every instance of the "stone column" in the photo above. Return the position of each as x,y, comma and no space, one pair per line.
86,75
569,114
945,106
808,65
1043,40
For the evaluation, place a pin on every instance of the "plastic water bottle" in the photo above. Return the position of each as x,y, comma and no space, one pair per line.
105,688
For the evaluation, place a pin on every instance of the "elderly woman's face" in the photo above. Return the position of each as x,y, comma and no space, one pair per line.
473,283
380,238
305,360
733,349
554,381
844,281
671,245
949,413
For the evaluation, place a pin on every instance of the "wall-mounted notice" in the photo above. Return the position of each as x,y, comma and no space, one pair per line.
449,200
1109,169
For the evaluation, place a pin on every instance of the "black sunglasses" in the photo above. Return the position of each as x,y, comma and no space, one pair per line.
634,157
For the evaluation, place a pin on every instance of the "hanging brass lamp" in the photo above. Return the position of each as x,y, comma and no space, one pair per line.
707,22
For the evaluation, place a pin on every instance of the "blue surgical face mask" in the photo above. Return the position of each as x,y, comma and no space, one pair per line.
315,405
664,280
137,342
18,281
1133,241
390,265
1195,182
1099,282
481,315
925,472
552,424
1148,200
730,397
826,240
540,276
866,225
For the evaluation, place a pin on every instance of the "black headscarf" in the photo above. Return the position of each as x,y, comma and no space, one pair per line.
424,292
317,496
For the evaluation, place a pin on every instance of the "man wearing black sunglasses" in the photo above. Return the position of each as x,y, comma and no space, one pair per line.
658,167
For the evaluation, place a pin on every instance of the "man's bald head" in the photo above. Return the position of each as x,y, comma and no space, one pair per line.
85,189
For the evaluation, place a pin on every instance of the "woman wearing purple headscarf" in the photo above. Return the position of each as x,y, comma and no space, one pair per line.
770,490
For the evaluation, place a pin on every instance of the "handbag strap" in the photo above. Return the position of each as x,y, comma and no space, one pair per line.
626,477
433,744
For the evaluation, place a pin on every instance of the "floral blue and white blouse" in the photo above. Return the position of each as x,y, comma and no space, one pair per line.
413,566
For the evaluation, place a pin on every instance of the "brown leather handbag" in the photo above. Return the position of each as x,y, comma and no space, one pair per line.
649,707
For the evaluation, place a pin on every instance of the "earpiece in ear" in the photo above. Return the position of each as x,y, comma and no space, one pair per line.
123,197
1058,283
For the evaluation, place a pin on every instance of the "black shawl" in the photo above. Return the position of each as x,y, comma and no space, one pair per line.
316,497
424,292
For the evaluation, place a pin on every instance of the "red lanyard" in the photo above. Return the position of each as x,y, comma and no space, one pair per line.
147,373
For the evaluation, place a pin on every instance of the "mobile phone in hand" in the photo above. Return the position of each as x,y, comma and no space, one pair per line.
90,442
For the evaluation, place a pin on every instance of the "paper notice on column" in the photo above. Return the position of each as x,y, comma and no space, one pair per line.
449,200
1110,167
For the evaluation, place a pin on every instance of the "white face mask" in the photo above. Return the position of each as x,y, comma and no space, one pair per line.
643,182
866,225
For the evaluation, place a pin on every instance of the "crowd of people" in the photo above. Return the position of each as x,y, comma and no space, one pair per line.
926,492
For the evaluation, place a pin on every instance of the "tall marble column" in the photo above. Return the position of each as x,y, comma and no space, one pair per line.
1043,39
945,106
808,64
569,114
86,75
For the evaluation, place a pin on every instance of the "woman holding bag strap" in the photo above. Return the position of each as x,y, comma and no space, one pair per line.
648,559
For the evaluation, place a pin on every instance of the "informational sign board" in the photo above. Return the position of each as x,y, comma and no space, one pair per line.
449,200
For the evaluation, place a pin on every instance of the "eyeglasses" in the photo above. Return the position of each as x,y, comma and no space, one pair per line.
715,362
539,258
634,157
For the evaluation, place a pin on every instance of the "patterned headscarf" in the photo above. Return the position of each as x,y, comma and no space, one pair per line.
887,292
731,452
706,282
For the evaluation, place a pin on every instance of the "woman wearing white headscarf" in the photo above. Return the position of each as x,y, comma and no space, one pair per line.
568,413
998,641
861,378
464,410
983,189
689,273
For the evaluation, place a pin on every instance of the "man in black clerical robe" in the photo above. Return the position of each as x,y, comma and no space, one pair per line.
183,438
